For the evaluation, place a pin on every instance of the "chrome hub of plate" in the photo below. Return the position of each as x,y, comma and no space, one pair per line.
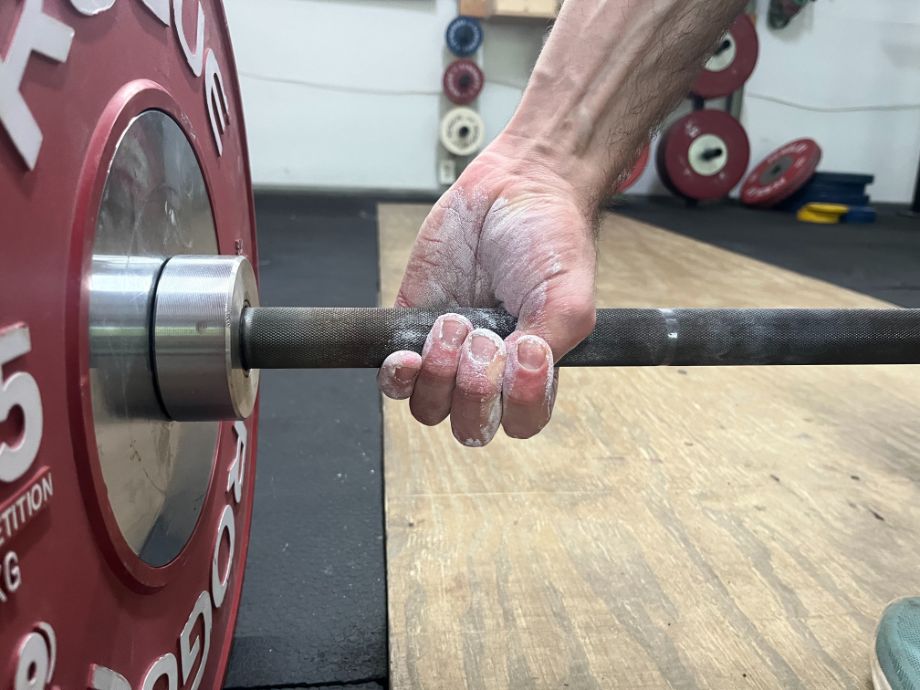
154,206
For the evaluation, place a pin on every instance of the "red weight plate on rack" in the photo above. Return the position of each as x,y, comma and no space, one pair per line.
123,535
782,173
463,81
703,155
733,62
638,168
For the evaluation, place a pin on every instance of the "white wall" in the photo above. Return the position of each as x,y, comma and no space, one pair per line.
838,54
845,54
377,128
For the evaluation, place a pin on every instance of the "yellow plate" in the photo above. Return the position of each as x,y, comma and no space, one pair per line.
826,214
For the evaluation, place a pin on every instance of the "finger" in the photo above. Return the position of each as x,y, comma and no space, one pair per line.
528,389
431,396
476,409
398,373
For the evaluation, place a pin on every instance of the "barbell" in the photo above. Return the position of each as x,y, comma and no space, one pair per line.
131,339
210,337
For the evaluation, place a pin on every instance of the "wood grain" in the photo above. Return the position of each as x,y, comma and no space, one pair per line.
711,528
519,9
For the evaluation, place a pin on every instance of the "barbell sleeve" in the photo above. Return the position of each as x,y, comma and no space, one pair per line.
323,338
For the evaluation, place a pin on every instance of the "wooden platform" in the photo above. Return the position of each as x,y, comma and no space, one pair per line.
725,528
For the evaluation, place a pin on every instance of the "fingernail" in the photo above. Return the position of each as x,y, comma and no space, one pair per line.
453,332
531,353
403,374
483,348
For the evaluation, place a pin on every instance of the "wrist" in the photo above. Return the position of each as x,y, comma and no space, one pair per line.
534,155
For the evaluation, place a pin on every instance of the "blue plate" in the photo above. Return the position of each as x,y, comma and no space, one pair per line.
463,36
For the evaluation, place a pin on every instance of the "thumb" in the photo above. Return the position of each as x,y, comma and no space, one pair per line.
548,327
563,315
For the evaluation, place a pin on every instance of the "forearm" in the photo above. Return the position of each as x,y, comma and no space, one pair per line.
611,70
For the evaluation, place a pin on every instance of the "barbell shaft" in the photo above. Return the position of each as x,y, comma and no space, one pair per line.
311,338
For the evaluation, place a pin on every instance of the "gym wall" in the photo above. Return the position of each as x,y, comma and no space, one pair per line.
377,127
843,56
333,114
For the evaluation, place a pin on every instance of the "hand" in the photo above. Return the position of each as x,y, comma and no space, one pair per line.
508,233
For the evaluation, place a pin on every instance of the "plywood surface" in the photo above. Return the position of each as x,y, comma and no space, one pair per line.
713,528
528,9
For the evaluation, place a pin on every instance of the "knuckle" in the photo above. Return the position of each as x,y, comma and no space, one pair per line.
439,368
572,322
477,388
582,317
403,299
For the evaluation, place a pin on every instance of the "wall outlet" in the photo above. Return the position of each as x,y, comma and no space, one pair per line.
447,171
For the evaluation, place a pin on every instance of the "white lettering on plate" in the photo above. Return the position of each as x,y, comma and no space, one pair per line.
35,32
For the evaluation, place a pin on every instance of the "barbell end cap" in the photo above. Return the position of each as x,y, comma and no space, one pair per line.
196,338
